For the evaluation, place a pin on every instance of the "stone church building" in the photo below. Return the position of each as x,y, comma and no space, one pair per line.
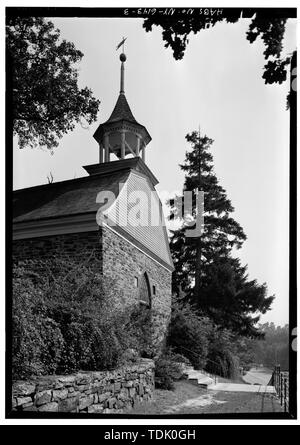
115,212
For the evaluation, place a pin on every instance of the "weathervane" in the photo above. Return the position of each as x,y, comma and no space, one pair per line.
121,44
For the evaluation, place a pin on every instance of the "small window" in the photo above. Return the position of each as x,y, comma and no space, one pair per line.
145,290
154,290
136,281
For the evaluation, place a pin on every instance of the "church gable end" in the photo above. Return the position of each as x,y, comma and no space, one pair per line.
137,214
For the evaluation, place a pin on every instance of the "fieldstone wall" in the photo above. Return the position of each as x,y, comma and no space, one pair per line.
120,261
70,245
106,392
125,263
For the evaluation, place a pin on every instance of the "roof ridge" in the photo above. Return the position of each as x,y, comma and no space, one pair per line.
64,181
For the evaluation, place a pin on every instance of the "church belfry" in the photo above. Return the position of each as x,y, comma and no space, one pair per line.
121,134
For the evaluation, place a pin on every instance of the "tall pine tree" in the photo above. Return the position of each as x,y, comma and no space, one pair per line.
205,269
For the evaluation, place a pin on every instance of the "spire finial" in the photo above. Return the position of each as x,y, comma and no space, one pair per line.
123,59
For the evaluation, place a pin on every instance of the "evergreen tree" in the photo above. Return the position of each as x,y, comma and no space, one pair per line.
205,269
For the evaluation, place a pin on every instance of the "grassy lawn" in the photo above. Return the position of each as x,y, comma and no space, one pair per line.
187,398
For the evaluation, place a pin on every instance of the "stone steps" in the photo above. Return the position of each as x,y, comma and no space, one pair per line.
199,378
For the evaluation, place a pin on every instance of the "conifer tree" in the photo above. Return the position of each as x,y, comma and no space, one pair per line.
205,268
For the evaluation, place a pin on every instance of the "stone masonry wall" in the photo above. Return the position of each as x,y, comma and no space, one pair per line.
67,245
120,261
106,392
123,262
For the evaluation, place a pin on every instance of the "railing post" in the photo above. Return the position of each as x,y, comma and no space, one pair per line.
281,388
284,393
278,376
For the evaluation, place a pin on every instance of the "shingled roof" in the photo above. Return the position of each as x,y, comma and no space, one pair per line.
121,111
64,198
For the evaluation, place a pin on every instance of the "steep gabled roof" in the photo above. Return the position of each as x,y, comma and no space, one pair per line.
47,204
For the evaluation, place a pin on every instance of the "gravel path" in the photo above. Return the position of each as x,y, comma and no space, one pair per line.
190,399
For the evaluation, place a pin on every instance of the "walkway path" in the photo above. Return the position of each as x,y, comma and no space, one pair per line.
258,375
187,398
240,387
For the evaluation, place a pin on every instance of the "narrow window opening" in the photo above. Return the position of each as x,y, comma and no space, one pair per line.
145,292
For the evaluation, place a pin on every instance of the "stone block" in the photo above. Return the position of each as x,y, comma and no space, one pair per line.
27,405
117,387
43,397
103,397
23,400
132,392
123,394
97,408
49,407
119,404
67,380
30,408
86,401
74,394
83,388
83,379
24,389
110,403
46,383
59,394
141,389
68,405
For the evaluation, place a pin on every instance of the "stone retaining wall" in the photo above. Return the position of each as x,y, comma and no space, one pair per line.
106,392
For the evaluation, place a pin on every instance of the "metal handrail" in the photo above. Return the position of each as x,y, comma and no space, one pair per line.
212,361
280,380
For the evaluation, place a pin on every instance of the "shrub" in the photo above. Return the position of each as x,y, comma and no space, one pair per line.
37,342
189,333
139,330
64,319
167,370
221,359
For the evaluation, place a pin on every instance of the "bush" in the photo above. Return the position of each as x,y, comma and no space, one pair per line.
65,319
167,370
221,359
189,333
206,345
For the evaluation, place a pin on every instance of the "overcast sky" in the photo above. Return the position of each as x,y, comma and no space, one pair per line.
218,86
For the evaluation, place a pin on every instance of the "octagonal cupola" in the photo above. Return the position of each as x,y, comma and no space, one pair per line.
121,134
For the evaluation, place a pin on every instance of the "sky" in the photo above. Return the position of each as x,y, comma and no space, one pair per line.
217,86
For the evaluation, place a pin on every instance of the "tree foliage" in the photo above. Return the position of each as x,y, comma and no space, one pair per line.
205,344
46,99
225,293
67,317
189,333
274,348
176,33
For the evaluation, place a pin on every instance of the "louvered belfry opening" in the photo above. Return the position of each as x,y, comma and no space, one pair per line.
144,291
